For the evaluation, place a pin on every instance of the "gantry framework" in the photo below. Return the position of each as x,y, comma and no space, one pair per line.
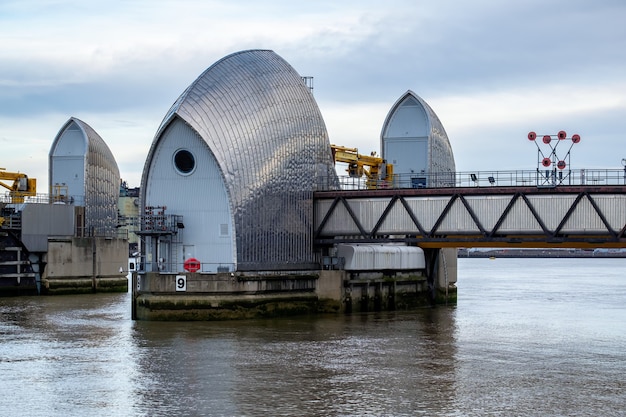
566,217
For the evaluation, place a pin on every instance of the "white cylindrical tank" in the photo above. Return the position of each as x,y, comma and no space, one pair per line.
377,257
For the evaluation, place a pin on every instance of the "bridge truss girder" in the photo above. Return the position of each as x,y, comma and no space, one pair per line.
565,217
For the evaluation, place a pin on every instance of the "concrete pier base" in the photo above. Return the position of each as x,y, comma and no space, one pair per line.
69,265
165,307
85,285
385,293
226,296
441,274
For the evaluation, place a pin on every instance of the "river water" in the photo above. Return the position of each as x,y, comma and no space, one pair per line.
528,337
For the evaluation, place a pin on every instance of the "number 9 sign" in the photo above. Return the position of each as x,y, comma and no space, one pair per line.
181,283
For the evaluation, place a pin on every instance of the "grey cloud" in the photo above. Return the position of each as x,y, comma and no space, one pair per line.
511,43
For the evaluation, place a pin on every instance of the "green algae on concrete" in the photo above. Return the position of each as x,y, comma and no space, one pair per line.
223,307
63,286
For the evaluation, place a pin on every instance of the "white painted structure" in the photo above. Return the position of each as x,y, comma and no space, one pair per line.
378,257
415,142
236,159
83,172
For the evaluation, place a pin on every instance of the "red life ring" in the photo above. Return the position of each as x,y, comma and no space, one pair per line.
191,265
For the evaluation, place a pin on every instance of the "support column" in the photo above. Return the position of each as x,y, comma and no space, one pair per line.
441,274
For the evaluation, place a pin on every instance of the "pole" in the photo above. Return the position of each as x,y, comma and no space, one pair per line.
133,298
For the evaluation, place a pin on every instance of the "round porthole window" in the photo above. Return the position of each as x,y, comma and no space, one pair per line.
184,161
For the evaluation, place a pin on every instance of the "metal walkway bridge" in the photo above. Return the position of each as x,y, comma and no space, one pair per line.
539,209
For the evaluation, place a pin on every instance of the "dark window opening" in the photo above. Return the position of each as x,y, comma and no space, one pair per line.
184,161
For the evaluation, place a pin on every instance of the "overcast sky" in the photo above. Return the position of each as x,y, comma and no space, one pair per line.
491,70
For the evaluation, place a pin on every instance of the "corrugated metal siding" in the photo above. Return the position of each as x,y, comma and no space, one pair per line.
614,209
428,210
519,219
267,134
364,257
368,211
397,219
339,223
489,207
458,218
550,209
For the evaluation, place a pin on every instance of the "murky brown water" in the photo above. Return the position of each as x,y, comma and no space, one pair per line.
532,337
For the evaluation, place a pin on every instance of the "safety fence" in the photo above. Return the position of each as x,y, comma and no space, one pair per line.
536,178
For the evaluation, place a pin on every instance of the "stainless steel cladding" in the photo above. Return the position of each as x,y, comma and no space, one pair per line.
258,123
414,141
84,172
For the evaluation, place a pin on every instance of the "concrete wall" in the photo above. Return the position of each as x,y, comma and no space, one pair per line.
330,284
195,296
85,265
196,283
447,272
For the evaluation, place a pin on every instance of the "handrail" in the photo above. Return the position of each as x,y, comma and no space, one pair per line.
538,178
44,198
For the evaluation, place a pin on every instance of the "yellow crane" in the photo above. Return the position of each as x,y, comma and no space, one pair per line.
20,186
378,172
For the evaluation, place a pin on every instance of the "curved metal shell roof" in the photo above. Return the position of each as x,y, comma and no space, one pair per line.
440,155
265,130
100,174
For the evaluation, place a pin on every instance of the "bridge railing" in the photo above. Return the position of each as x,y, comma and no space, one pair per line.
531,178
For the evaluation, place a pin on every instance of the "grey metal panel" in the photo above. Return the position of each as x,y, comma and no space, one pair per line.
42,220
585,216
67,162
397,219
458,218
488,209
101,176
614,209
427,210
552,209
339,223
263,126
368,211
519,219
69,171
407,155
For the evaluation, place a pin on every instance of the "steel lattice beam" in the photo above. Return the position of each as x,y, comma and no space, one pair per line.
606,226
